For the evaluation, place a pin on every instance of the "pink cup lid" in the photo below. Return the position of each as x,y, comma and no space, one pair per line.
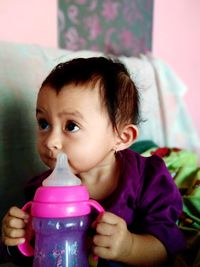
61,201
60,194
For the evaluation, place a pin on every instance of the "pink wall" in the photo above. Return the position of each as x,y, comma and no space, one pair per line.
176,40
32,21
176,35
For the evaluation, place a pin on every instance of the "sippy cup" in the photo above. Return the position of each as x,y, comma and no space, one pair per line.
60,220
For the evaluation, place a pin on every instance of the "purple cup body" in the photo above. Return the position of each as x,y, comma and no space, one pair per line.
60,221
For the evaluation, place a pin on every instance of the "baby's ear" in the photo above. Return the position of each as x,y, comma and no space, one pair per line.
128,134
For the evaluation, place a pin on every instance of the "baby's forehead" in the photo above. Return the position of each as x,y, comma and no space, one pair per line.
72,96
75,91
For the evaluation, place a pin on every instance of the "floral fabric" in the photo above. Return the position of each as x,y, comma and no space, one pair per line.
118,27
185,170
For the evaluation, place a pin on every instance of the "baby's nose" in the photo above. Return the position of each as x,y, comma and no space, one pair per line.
54,141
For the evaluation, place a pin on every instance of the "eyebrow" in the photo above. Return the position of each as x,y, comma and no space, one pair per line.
38,111
75,113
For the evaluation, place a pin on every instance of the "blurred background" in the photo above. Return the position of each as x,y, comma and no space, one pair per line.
168,29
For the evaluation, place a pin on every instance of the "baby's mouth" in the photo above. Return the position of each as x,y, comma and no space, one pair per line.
51,162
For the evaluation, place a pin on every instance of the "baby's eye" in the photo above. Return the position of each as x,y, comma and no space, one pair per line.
43,124
71,127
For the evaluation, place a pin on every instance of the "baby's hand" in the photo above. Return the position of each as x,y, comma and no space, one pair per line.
113,240
13,226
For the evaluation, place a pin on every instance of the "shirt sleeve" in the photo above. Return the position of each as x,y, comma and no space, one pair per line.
160,204
12,254
4,253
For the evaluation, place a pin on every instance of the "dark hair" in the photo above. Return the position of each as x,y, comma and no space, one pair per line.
117,89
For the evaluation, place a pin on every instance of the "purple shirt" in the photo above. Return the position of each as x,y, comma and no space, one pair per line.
146,198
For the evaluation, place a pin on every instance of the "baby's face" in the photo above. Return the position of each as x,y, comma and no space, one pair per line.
74,121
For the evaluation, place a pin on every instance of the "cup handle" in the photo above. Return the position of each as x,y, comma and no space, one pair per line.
25,248
96,205
100,209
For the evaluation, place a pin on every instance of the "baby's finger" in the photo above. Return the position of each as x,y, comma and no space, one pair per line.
14,222
18,213
110,218
13,241
105,229
13,233
102,241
